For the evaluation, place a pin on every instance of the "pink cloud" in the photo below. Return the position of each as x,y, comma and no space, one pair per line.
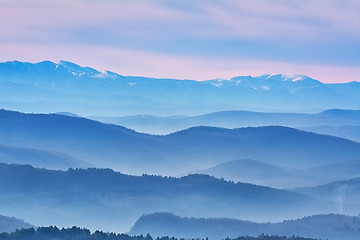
257,18
36,30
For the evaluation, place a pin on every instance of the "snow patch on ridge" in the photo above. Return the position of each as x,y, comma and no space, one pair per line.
270,76
102,74
217,84
292,77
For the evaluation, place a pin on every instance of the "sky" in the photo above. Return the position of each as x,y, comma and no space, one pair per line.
198,40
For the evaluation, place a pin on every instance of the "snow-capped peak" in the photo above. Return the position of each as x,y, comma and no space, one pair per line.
269,76
292,77
75,69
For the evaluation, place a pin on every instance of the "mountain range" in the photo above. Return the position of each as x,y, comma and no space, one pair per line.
64,86
331,227
39,158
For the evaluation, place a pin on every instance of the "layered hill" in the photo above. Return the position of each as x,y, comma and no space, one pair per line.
348,132
332,227
283,146
39,158
338,122
345,194
107,200
262,173
10,224
105,145
99,144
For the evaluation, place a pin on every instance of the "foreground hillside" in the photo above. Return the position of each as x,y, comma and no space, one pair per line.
108,200
332,227
104,145
76,233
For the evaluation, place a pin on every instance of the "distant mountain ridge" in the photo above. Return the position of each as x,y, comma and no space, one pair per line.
332,227
48,87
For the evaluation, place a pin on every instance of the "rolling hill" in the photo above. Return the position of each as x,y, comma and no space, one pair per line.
105,145
348,132
117,147
337,122
99,144
261,173
102,199
345,194
286,147
332,227
10,224
39,158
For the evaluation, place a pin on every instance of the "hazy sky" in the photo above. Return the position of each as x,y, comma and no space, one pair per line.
188,39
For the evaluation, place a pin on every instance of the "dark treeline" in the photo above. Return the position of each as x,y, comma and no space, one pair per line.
76,233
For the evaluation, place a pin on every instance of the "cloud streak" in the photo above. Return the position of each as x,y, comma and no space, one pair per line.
268,34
